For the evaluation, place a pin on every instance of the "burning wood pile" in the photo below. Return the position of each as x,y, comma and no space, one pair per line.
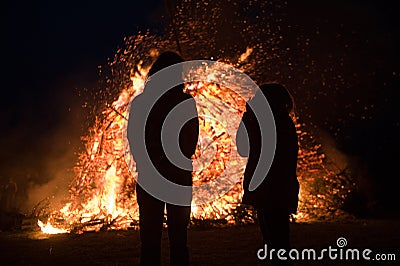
102,195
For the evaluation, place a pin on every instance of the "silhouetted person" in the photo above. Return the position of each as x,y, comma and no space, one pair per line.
8,199
141,126
277,196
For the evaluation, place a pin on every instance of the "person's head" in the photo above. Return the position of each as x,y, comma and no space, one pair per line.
165,59
278,97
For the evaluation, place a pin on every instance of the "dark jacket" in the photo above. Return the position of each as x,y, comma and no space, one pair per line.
280,188
149,111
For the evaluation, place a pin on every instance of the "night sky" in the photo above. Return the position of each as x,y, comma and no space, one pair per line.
52,50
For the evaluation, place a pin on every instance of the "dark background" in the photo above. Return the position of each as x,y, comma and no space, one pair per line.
52,50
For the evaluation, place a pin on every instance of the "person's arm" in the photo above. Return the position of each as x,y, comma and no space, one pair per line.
135,128
189,134
242,140
242,136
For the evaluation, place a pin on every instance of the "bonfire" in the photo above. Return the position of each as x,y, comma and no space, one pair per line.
102,194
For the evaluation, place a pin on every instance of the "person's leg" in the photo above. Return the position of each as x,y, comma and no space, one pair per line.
280,235
151,214
274,226
262,223
178,218
279,229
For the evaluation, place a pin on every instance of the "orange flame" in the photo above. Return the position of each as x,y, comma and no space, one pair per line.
103,193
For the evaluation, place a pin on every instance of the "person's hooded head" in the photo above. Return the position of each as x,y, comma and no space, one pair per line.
278,98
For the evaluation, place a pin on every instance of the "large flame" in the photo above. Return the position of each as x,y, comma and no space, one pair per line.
49,229
103,193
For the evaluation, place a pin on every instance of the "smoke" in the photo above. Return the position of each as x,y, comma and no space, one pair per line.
44,179
329,147
362,200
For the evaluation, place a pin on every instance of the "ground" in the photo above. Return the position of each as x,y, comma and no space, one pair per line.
208,246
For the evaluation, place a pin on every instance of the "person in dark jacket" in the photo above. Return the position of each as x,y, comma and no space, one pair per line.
277,196
148,127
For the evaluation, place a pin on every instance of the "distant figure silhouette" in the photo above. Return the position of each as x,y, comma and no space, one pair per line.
8,199
149,128
277,196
